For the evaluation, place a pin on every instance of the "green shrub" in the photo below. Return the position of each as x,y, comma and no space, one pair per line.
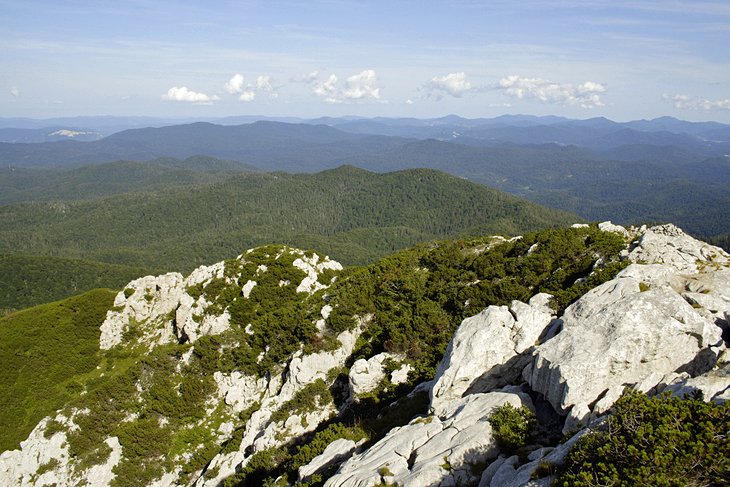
664,441
513,428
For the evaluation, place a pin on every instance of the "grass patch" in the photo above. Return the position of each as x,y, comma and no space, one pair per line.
42,350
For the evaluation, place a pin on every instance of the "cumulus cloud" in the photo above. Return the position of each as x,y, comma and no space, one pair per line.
362,85
235,84
685,102
247,96
454,84
356,87
328,90
248,91
587,95
183,94
15,91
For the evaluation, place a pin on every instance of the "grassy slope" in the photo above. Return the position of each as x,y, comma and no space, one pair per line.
42,350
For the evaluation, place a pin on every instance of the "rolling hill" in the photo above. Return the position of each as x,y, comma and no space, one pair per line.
353,215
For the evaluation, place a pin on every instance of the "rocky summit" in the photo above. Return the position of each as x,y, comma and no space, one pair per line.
278,367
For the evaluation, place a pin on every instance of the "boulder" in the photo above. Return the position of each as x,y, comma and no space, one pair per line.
618,334
487,351
714,385
607,226
366,374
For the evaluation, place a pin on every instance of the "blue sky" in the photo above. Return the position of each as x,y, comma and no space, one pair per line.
578,58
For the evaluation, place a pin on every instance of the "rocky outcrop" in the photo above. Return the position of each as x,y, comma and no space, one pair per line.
488,350
260,431
637,328
43,459
668,244
657,326
507,471
161,309
147,300
367,374
430,450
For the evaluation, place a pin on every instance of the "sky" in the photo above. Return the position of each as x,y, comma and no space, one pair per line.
623,60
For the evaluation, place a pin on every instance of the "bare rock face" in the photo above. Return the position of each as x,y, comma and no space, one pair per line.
488,351
506,472
145,300
432,451
668,244
335,453
638,328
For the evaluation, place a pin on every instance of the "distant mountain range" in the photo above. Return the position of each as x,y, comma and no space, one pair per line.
649,170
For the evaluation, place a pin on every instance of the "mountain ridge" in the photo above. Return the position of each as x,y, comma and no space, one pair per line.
338,343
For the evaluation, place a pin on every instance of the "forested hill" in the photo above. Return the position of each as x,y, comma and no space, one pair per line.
662,170
19,184
351,214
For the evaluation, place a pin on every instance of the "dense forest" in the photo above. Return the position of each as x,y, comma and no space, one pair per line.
353,215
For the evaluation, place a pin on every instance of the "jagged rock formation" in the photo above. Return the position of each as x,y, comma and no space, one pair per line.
431,451
488,350
657,326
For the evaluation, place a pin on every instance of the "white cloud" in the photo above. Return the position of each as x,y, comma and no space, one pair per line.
247,96
357,87
248,92
328,90
183,94
454,84
587,94
685,102
235,84
15,91
263,83
362,85
409,102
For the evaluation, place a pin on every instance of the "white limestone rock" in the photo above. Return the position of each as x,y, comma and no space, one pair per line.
432,451
507,473
400,376
335,453
667,244
146,300
260,432
366,374
238,390
20,467
634,329
611,338
487,351
313,267
714,385
607,226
